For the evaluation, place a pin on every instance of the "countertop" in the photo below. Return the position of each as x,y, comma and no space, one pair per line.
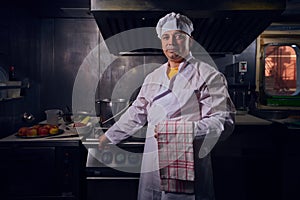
241,119
246,119
67,135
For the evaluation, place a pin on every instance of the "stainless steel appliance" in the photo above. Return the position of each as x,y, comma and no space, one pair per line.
116,167
109,110
113,172
221,27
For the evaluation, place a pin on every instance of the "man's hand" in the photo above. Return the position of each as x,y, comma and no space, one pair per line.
103,140
155,132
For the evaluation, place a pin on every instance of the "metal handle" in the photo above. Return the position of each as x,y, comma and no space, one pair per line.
116,115
112,178
93,143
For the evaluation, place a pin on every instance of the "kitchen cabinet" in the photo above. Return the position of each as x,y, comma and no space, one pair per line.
248,164
291,165
41,169
259,160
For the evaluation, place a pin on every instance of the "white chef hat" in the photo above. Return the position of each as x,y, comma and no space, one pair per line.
173,21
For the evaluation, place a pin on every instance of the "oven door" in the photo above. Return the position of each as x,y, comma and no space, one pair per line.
113,172
112,188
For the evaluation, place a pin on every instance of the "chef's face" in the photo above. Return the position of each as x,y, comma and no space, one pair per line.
176,45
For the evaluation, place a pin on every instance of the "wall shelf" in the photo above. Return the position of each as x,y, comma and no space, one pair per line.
10,99
13,92
12,87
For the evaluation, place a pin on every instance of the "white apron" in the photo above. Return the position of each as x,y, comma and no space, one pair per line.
197,93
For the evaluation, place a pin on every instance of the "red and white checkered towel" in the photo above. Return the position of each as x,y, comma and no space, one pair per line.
176,157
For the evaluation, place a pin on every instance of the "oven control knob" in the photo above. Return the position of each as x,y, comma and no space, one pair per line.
106,157
120,157
133,158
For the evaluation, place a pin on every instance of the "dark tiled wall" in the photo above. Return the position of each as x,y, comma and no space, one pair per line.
51,51
19,47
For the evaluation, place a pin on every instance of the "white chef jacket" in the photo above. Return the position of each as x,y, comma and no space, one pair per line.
197,93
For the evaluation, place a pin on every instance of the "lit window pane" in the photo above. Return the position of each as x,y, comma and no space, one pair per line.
280,70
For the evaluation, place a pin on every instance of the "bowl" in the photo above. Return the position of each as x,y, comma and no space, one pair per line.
84,129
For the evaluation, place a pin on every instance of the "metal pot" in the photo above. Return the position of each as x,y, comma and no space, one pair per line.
110,110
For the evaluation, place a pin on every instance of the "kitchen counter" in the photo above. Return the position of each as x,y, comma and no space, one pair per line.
71,135
292,123
67,135
62,137
246,119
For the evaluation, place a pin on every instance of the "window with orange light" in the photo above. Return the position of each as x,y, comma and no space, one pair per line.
280,76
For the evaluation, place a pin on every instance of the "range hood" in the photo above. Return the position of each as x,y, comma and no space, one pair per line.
221,26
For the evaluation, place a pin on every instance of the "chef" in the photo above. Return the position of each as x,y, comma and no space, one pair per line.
181,99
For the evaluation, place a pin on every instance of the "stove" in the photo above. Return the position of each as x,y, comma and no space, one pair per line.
113,167
123,159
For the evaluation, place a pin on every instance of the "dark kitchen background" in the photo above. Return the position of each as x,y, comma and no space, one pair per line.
47,41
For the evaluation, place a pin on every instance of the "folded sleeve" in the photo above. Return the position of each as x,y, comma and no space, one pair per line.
217,112
131,121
